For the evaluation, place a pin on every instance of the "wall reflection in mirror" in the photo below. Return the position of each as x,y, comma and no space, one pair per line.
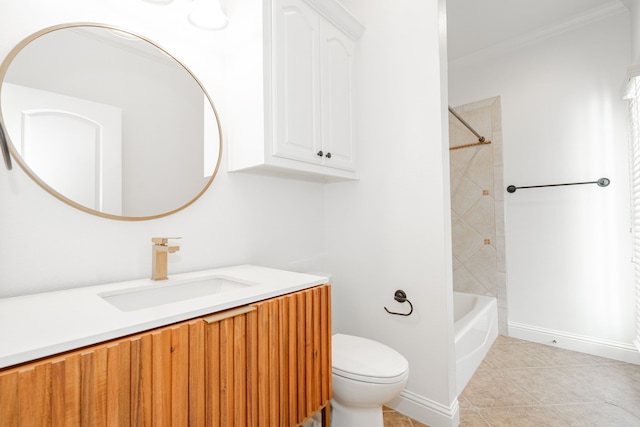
109,122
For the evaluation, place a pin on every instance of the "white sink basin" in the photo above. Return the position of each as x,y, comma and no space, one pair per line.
160,293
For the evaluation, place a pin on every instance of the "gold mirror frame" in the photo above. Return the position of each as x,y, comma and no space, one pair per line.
4,66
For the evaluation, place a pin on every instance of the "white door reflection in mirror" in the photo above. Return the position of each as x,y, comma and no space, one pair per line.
72,144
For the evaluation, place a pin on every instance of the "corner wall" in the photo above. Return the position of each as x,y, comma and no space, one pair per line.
391,229
567,248
46,245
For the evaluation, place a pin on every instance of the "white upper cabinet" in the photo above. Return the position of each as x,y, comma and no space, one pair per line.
337,98
309,93
296,93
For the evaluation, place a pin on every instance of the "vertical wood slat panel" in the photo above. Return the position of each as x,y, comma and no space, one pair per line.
252,368
41,399
317,385
328,363
26,391
101,386
161,377
282,326
93,387
87,382
118,384
72,387
9,399
93,395
226,372
136,390
240,370
308,346
303,348
213,375
232,368
125,382
180,375
57,393
197,373
141,381
292,333
263,364
301,354
274,368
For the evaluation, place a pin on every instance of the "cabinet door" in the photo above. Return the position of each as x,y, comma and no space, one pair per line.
160,374
269,364
296,81
140,380
294,356
337,83
231,368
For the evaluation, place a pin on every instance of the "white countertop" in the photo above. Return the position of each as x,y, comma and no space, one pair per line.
39,325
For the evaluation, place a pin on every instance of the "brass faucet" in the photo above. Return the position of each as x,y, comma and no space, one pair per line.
160,251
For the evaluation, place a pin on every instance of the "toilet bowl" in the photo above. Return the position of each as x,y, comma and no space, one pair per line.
366,375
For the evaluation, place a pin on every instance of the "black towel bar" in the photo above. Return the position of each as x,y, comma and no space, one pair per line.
602,182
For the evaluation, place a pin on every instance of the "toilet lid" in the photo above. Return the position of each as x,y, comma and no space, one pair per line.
365,360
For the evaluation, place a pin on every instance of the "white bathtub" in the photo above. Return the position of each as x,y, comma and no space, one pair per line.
475,329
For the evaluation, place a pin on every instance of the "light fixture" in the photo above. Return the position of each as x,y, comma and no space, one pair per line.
208,15
159,1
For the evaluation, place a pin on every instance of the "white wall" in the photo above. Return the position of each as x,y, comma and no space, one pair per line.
391,229
47,245
567,248
634,12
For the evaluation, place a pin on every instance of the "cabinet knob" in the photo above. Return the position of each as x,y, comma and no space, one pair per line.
320,153
328,156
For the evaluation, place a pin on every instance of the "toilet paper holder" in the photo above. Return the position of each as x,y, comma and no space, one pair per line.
401,296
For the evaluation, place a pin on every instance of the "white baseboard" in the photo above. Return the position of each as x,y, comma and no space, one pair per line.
425,410
610,349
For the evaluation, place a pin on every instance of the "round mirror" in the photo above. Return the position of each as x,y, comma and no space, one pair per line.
108,122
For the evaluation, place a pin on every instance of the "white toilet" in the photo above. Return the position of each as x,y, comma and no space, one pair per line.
366,375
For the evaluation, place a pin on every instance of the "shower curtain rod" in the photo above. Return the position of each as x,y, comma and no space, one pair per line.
481,140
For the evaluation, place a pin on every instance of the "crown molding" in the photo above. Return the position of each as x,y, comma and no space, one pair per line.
607,10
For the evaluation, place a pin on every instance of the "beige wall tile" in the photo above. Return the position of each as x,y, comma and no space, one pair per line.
476,217
464,195
499,244
463,281
481,216
466,241
482,267
480,169
496,144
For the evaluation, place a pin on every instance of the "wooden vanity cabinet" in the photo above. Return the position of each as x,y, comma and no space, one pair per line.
141,380
265,364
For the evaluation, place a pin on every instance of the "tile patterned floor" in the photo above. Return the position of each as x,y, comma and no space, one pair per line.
521,384
396,419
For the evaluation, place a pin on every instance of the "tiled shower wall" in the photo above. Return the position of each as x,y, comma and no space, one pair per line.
477,204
